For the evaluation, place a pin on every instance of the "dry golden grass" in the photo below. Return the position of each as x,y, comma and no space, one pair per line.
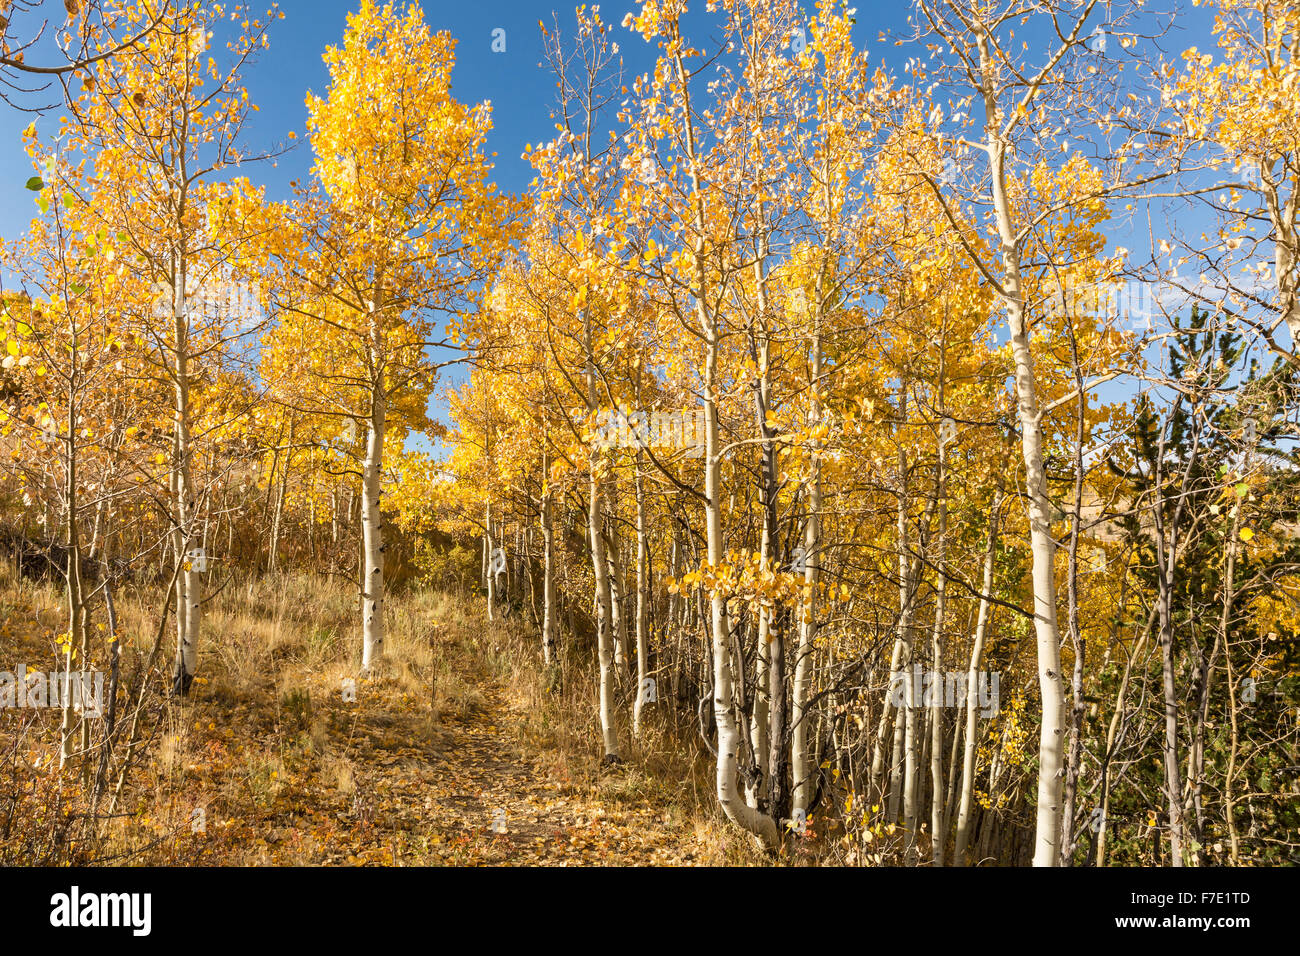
265,763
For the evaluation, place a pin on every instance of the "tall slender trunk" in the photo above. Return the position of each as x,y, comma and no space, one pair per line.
189,583
600,572
880,764
803,667
269,499
908,585
643,679
548,580
372,522
972,676
604,620
489,562
894,807
76,637
778,721
760,715
938,689
617,590
115,661
273,553
733,805
1074,754
1286,243
1051,741
762,826
1167,543
899,661
334,518
372,531
1225,624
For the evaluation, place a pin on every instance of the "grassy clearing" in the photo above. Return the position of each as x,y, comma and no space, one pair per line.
267,763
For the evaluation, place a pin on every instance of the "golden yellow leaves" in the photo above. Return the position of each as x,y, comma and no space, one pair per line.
745,577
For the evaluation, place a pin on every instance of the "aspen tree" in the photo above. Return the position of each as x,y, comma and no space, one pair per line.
1022,95
400,223
165,125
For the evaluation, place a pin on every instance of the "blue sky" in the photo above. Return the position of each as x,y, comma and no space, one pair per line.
519,90
519,87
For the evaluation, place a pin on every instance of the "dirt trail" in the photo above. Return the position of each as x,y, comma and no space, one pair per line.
379,781
267,764
545,821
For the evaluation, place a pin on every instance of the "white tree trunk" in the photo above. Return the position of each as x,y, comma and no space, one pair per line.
733,805
762,826
372,537
600,572
548,582
800,764
642,587
189,583
938,828
972,676
758,726
1051,739
1282,216
72,727
617,591
604,621
489,562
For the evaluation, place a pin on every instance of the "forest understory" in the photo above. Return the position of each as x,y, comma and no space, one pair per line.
453,741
